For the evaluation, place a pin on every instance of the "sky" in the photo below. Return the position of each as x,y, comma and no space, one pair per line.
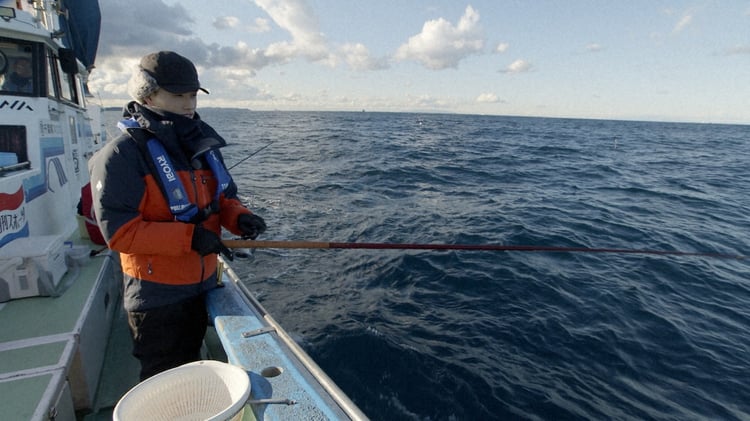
685,61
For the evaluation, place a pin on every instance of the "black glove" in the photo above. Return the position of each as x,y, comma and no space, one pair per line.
206,242
251,225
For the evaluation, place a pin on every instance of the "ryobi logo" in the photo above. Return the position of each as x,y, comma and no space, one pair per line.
165,168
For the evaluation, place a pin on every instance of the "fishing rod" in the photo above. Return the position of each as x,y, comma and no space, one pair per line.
251,155
475,247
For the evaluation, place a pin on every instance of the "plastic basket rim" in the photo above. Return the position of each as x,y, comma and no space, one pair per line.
223,415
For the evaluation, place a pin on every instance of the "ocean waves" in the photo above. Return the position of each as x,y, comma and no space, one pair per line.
447,335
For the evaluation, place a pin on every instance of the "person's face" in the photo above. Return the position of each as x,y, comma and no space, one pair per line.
183,104
23,68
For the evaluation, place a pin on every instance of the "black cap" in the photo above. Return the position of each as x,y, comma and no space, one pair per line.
172,72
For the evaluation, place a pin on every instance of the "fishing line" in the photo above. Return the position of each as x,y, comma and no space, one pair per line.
251,155
475,247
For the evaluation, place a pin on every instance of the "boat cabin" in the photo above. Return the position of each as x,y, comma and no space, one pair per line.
48,130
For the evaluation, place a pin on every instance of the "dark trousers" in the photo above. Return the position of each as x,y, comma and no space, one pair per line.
168,336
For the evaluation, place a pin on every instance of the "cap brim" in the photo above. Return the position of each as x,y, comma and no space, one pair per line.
182,89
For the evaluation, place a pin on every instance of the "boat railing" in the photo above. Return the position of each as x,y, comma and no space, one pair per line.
341,399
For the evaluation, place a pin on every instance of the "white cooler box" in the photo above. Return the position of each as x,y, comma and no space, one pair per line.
31,266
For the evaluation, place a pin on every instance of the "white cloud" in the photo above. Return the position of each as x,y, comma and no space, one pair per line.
259,25
235,84
502,47
428,101
358,57
683,23
225,22
487,97
240,55
111,76
518,66
442,45
594,47
235,75
297,18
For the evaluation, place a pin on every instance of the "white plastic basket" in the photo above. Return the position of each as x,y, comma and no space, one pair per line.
202,390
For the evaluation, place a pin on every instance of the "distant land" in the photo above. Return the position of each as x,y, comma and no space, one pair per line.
119,108
200,109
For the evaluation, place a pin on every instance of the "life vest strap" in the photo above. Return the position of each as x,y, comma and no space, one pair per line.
179,203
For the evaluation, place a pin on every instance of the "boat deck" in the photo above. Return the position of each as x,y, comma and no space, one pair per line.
69,357
120,371
52,348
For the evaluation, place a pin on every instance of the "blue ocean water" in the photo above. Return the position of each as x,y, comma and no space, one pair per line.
468,335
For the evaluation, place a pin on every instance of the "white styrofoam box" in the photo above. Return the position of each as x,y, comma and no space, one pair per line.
31,266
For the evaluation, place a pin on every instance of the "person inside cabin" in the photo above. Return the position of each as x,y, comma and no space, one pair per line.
20,78
161,194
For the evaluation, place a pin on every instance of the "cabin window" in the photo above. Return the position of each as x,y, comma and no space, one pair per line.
52,86
60,84
67,85
18,68
13,153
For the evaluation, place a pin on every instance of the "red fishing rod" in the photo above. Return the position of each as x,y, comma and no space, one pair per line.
475,247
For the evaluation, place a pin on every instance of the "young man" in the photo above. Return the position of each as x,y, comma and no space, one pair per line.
161,194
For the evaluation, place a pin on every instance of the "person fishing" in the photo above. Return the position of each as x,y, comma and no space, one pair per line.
161,194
